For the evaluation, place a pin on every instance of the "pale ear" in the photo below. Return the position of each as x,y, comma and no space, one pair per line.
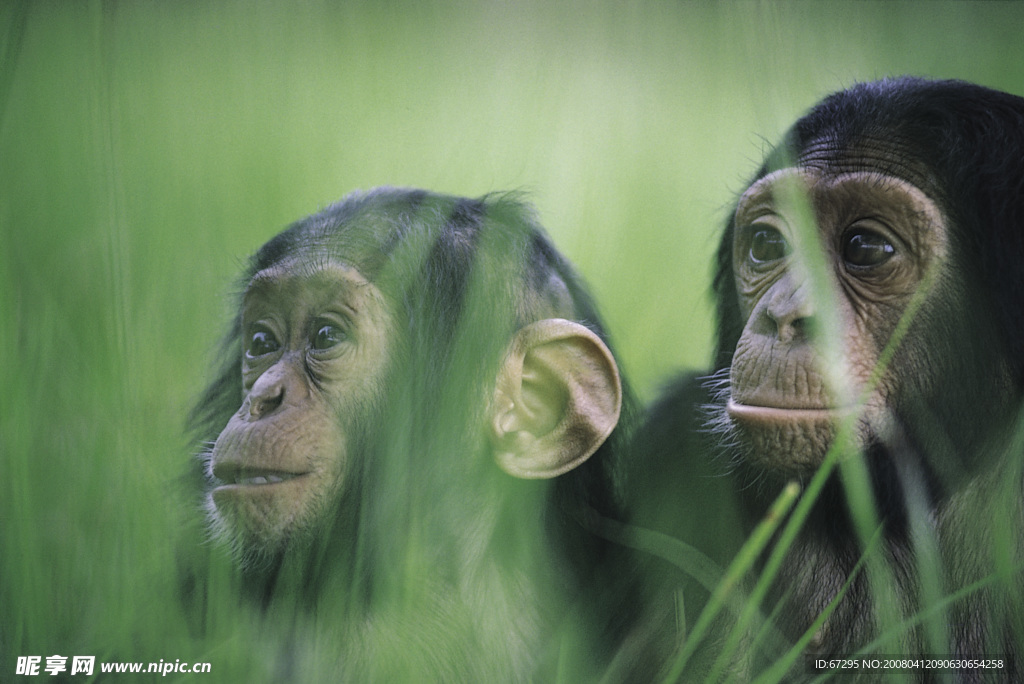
557,398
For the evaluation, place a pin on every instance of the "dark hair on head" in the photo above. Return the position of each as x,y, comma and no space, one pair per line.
961,143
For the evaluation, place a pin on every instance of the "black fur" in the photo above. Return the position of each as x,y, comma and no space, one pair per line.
954,462
466,274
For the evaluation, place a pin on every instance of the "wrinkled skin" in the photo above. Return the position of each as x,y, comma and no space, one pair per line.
881,237
316,348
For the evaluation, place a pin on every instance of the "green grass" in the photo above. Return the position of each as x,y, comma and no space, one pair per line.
147,148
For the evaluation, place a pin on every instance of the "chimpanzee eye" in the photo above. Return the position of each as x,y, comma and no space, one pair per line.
328,335
262,342
767,245
865,248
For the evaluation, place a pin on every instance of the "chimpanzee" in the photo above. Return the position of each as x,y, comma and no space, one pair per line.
870,347
415,421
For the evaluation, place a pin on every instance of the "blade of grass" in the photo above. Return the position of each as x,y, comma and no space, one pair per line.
781,667
734,574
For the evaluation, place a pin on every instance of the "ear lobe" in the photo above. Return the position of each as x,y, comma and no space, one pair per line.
557,398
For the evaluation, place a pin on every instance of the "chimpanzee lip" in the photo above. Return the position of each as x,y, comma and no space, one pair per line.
754,412
227,475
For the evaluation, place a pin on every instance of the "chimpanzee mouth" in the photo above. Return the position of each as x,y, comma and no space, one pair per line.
754,412
228,474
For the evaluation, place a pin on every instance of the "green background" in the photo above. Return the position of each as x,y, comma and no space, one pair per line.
147,148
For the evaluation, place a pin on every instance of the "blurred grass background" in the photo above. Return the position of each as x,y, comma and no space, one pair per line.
146,148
